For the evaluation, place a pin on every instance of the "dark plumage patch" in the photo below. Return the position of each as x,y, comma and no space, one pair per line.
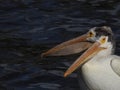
104,31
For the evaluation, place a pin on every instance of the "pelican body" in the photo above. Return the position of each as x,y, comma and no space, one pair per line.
99,74
100,68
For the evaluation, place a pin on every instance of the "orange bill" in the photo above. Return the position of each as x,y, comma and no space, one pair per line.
73,46
93,50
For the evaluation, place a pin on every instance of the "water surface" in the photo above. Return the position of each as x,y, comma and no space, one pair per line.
30,27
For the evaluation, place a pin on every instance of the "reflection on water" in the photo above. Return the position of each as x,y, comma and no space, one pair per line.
29,27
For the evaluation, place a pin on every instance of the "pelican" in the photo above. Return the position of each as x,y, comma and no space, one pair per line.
100,67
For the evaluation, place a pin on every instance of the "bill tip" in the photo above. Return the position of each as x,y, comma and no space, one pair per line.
42,55
66,74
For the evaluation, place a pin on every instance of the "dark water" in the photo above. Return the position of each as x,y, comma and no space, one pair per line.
30,27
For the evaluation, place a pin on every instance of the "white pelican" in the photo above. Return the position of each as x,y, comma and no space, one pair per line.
100,69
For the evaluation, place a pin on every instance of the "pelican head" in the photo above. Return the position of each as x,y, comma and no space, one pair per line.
80,43
102,46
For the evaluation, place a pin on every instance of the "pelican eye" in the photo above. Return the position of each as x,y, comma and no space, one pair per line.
103,40
91,34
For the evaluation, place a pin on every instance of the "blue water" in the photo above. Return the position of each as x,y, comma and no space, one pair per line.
30,27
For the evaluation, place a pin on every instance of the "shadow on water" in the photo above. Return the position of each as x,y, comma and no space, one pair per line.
30,27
